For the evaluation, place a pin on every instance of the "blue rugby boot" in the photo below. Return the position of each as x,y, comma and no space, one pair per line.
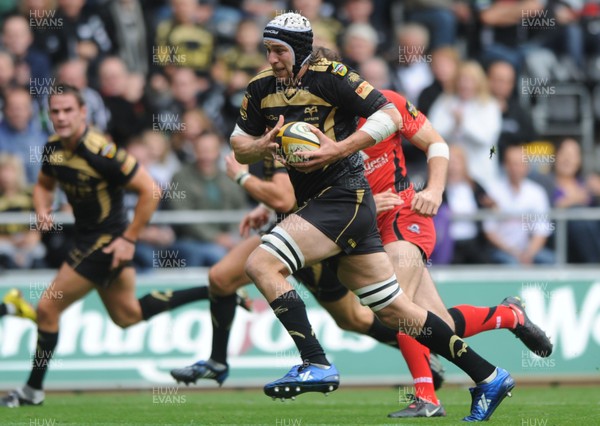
304,378
486,397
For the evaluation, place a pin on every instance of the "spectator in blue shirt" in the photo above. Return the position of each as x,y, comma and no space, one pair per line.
20,133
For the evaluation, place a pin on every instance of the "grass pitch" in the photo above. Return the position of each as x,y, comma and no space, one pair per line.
529,406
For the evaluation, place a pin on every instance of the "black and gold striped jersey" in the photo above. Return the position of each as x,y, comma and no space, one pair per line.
92,176
331,97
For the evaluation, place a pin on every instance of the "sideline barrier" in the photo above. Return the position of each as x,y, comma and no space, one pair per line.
557,220
93,353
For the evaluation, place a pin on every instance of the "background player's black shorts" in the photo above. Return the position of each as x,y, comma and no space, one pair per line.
346,217
88,259
322,281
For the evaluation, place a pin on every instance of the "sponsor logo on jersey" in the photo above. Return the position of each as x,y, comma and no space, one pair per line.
353,77
412,110
376,163
339,69
311,110
414,228
128,165
109,150
364,89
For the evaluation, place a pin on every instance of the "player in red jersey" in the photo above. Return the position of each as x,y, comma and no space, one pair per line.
409,238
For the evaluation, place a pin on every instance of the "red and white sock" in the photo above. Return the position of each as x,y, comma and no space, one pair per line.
479,319
417,359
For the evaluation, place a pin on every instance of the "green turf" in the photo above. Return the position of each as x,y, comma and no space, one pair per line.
350,406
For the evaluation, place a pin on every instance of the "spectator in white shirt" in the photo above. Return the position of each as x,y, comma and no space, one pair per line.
520,239
465,196
471,118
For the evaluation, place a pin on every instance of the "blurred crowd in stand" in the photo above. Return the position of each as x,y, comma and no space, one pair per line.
165,79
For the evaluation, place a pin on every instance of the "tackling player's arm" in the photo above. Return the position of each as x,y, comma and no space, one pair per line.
43,197
278,193
419,131
255,219
428,201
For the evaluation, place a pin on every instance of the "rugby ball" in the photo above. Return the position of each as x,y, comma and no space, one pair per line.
295,137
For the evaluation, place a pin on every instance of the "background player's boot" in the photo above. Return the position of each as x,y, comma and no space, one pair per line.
24,309
201,370
242,299
437,371
419,407
486,397
24,396
301,379
530,334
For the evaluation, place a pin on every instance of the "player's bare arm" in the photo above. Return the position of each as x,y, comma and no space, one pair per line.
43,196
142,183
249,149
331,151
387,200
255,219
428,201
277,193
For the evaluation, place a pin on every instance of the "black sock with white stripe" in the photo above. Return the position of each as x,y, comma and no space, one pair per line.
291,311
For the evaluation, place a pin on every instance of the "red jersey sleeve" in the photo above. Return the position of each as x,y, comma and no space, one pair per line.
412,118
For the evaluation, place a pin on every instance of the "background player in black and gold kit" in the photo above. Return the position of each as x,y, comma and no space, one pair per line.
94,175
337,213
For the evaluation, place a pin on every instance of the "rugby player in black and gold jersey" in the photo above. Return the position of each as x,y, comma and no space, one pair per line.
94,175
337,212
268,183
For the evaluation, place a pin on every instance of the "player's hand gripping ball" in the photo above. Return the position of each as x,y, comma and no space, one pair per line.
295,137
